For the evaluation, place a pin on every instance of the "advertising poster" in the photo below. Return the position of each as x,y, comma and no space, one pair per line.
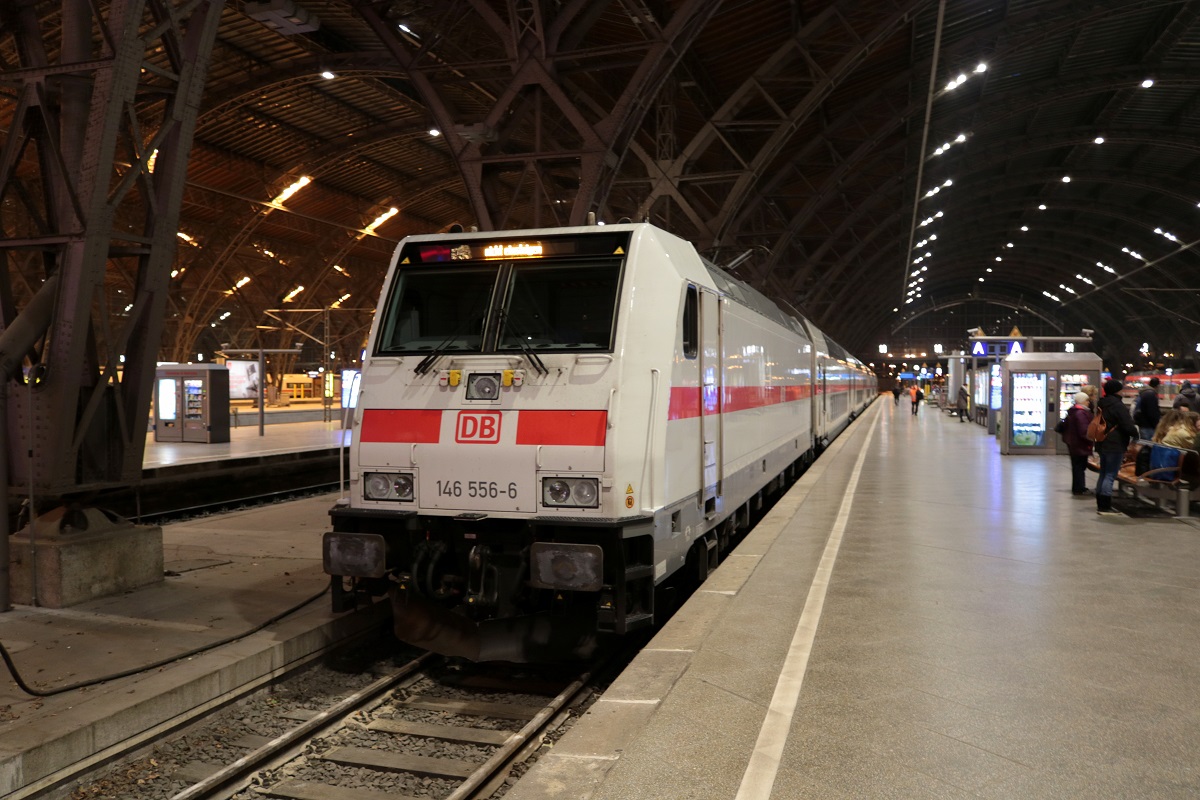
243,380
350,379
1028,408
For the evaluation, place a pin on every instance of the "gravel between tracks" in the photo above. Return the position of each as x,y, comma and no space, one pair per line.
212,741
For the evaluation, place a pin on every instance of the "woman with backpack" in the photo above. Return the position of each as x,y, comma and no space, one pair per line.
1111,444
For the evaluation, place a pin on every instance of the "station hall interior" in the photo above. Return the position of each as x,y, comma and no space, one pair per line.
204,197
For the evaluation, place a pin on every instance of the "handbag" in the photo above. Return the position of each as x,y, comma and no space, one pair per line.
1061,427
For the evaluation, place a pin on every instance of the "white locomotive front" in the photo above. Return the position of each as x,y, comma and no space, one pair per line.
553,422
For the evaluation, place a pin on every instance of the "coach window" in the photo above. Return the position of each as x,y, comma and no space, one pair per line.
691,323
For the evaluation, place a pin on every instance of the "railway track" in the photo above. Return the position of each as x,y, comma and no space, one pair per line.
449,733
427,728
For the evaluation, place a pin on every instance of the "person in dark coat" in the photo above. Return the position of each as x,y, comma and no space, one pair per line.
1187,397
1079,416
896,395
963,402
1147,412
1113,447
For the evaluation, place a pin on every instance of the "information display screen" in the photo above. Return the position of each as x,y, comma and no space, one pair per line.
1028,408
996,387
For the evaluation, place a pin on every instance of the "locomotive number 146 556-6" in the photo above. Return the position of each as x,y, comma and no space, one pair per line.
477,489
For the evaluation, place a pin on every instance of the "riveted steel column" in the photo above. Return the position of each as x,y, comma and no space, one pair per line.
112,165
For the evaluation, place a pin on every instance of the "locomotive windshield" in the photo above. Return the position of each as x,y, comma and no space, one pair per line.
500,295
437,309
561,306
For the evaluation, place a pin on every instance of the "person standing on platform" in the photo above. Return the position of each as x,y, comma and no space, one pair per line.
1093,394
1079,416
917,396
1147,413
964,402
1112,448
1187,397
896,395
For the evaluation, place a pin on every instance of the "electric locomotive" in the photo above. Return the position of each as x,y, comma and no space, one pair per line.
552,423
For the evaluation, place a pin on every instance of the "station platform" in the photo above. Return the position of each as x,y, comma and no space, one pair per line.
244,442
918,616
225,576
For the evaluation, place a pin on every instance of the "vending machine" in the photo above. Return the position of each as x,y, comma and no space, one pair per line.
1036,391
191,403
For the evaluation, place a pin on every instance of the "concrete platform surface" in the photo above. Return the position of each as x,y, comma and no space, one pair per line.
224,575
918,617
244,442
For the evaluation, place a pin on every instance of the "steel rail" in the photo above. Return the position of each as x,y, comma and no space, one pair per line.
251,763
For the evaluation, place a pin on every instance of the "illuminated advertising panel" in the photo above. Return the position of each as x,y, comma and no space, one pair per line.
350,383
1028,408
243,380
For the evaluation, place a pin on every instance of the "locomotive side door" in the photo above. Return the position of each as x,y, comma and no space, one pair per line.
710,398
823,393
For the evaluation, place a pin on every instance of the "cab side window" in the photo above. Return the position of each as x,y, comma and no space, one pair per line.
691,323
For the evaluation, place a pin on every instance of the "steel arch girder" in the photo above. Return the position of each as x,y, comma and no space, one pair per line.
90,421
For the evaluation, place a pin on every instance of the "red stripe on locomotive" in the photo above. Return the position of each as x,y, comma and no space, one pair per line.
401,425
579,428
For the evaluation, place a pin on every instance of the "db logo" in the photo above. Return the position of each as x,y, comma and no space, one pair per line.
477,427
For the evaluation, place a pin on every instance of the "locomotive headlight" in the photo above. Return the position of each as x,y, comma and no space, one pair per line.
389,486
403,486
378,486
584,493
556,492
571,492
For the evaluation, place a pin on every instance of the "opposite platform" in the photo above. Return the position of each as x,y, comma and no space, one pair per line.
244,442
918,617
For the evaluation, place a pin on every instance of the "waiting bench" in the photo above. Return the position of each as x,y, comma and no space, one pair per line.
1172,475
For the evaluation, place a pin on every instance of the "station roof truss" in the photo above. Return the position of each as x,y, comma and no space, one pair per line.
885,166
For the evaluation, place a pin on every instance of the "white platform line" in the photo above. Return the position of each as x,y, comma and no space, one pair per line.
630,702
759,777
583,756
668,650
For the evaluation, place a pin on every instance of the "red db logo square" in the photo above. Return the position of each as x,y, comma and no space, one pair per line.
477,427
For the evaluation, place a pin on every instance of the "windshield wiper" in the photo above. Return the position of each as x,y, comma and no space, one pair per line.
526,350
437,352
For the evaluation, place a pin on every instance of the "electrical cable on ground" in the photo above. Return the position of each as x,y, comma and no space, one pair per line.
12,668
